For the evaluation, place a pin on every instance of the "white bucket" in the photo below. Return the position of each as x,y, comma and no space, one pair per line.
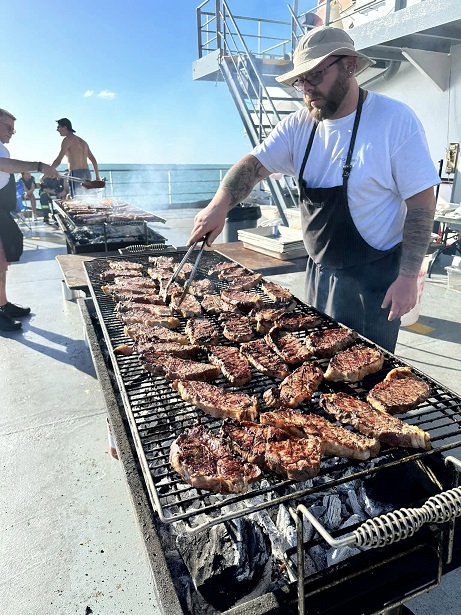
412,316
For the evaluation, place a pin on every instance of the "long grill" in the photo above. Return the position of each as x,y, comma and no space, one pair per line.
157,415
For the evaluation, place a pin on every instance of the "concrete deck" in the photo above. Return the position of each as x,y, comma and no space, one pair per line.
70,542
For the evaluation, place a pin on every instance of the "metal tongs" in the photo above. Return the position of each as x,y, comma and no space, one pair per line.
192,273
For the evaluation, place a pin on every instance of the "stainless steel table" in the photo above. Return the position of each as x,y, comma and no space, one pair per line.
451,229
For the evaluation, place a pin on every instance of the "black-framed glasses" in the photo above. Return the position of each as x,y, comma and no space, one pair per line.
315,78
11,130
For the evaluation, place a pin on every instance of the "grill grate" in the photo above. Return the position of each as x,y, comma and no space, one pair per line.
157,415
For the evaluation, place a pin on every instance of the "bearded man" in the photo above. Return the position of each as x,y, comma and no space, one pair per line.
366,208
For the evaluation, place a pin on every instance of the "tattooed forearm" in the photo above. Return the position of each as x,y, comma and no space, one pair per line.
242,178
416,237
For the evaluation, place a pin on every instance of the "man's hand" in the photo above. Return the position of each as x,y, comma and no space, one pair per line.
208,221
49,170
401,296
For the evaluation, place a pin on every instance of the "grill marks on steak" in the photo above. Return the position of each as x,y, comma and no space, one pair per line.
175,349
138,316
189,306
110,274
201,288
237,328
123,307
335,440
264,360
125,265
204,461
202,331
299,386
163,262
354,364
213,304
287,346
277,293
230,274
155,333
374,423
218,402
242,300
144,296
174,368
274,449
325,344
245,282
226,266
400,391
134,283
296,322
234,367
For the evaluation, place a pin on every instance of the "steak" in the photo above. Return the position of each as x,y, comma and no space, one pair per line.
155,333
163,262
204,461
229,274
150,308
143,296
234,367
264,360
237,328
174,368
111,274
185,272
243,300
140,317
299,386
200,288
189,306
134,282
245,282
175,349
266,318
277,293
125,265
335,440
216,269
287,346
213,304
296,322
354,364
274,449
217,401
400,391
201,331
325,344
374,423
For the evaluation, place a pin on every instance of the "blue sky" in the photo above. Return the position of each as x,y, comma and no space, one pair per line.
122,73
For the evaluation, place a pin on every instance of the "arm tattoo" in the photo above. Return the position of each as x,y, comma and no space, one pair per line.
416,237
240,180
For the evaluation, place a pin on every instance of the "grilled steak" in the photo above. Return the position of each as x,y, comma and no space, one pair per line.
229,274
245,282
175,349
217,401
325,344
276,293
244,301
174,368
213,304
267,362
155,333
335,440
151,308
297,322
189,306
163,262
296,388
216,269
265,318
186,270
125,265
140,317
111,274
274,449
237,328
234,367
287,346
159,274
134,283
143,296
206,462
354,364
201,331
173,289
400,391
374,423
200,288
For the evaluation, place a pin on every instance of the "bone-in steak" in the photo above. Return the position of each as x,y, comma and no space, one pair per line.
245,282
297,322
163,262
143,296
217,401
189,306
137,316
213,304
287,346
236,328
400,391
155,333
206,462
124,307
274,449
125,265
234,367
175,349
226,266
202,331
111,274
174,368
276,292
335,440
354,364
244,301
200,288
264,360
374,423
134,283
325,344
295,388
229,274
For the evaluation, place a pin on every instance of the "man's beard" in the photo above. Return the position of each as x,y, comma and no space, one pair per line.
333,99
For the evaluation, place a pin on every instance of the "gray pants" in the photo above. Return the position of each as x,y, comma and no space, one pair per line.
353,296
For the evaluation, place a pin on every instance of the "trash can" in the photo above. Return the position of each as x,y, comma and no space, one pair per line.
243,215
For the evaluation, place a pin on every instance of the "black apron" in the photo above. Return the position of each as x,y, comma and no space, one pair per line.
10,233
330,235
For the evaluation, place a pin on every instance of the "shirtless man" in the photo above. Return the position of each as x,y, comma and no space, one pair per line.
77,152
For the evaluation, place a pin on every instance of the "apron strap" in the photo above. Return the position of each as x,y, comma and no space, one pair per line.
306,155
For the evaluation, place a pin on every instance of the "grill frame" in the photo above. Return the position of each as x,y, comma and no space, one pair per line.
173,499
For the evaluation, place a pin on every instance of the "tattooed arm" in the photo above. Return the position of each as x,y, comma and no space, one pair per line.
402,293
237,184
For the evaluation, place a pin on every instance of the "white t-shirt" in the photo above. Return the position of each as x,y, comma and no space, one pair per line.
4,177
390,163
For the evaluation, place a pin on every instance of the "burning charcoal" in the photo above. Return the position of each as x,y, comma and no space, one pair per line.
334,556
332,518
286,525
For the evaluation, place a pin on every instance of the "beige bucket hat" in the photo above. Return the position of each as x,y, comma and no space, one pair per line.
318,44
